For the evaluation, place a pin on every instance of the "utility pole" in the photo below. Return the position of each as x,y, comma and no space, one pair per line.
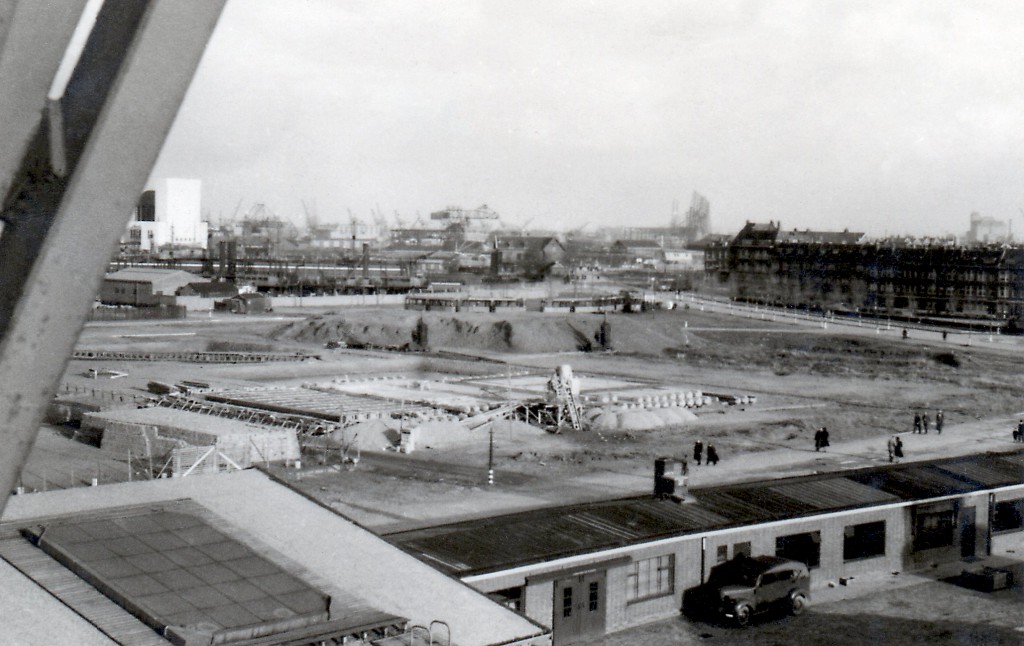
490,458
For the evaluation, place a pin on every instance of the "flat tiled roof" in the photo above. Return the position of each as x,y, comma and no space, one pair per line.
177,573
345,558
173,569
501,542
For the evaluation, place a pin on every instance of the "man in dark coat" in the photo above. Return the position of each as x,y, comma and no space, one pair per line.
698,451
712,455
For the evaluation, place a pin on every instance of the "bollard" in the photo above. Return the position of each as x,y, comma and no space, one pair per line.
95,482
298,464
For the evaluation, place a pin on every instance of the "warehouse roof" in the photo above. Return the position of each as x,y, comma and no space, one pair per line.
174,571
180,419
501,542
137,275
249,506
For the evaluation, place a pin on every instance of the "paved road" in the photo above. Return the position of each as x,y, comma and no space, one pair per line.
991,434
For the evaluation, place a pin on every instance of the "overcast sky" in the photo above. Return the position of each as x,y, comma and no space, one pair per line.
883,116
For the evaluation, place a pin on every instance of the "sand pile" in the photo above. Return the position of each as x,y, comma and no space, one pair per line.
371,435
512,332
636,419
511,428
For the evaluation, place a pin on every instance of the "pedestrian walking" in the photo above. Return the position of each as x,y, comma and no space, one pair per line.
891,447
1018,435
939,420
924,421
698,451
898,450
712,455
917,422
824,437
817,440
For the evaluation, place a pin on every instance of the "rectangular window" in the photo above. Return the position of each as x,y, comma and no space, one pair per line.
741,548
509,597
864,541
933,528
1008,516
566,602
593,596
805,548
654,577
722,554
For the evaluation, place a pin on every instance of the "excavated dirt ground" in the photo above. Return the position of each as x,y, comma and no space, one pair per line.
863,384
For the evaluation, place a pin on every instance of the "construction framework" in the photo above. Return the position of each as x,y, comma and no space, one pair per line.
71,171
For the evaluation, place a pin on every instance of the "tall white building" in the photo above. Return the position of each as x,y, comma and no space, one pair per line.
169,214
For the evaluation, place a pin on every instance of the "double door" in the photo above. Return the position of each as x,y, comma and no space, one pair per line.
579,608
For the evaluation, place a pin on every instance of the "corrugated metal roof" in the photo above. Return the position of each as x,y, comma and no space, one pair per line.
500,542
990,473
834,493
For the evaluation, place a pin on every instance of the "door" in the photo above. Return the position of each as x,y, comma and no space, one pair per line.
579,608
968,533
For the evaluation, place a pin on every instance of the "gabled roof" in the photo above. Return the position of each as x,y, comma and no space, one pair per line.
143,275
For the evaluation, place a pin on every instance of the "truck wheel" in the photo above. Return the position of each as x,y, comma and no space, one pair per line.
743,613
797,603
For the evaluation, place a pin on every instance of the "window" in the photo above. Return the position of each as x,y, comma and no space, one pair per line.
509,597
567,602
864,541
652,577
774,577
741,548
933,528
1008,516
593,599
722,554
805,548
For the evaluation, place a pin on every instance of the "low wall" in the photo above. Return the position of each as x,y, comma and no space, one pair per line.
201,304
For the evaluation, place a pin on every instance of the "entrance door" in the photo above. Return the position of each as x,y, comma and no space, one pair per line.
579,608
967,532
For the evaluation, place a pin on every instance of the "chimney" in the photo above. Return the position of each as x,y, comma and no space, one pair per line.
670,476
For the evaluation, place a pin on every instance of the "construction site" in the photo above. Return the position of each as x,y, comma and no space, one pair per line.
505,412
460,432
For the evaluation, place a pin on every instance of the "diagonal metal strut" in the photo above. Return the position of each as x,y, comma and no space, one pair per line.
81,171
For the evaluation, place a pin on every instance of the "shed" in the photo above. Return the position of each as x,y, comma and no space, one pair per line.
145,287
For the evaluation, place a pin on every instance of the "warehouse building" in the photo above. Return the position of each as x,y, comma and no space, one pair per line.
588,569
164,434
232,559
145,287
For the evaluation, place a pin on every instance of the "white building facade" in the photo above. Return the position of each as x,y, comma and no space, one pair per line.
171,216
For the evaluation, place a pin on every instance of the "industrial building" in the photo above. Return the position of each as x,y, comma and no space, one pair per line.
145,287
892,277
168,216
233,559
189,440
588,569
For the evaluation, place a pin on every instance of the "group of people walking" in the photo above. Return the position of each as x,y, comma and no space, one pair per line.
895,447
922,422
698,453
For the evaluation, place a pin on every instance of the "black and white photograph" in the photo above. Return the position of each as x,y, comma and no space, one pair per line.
495,323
